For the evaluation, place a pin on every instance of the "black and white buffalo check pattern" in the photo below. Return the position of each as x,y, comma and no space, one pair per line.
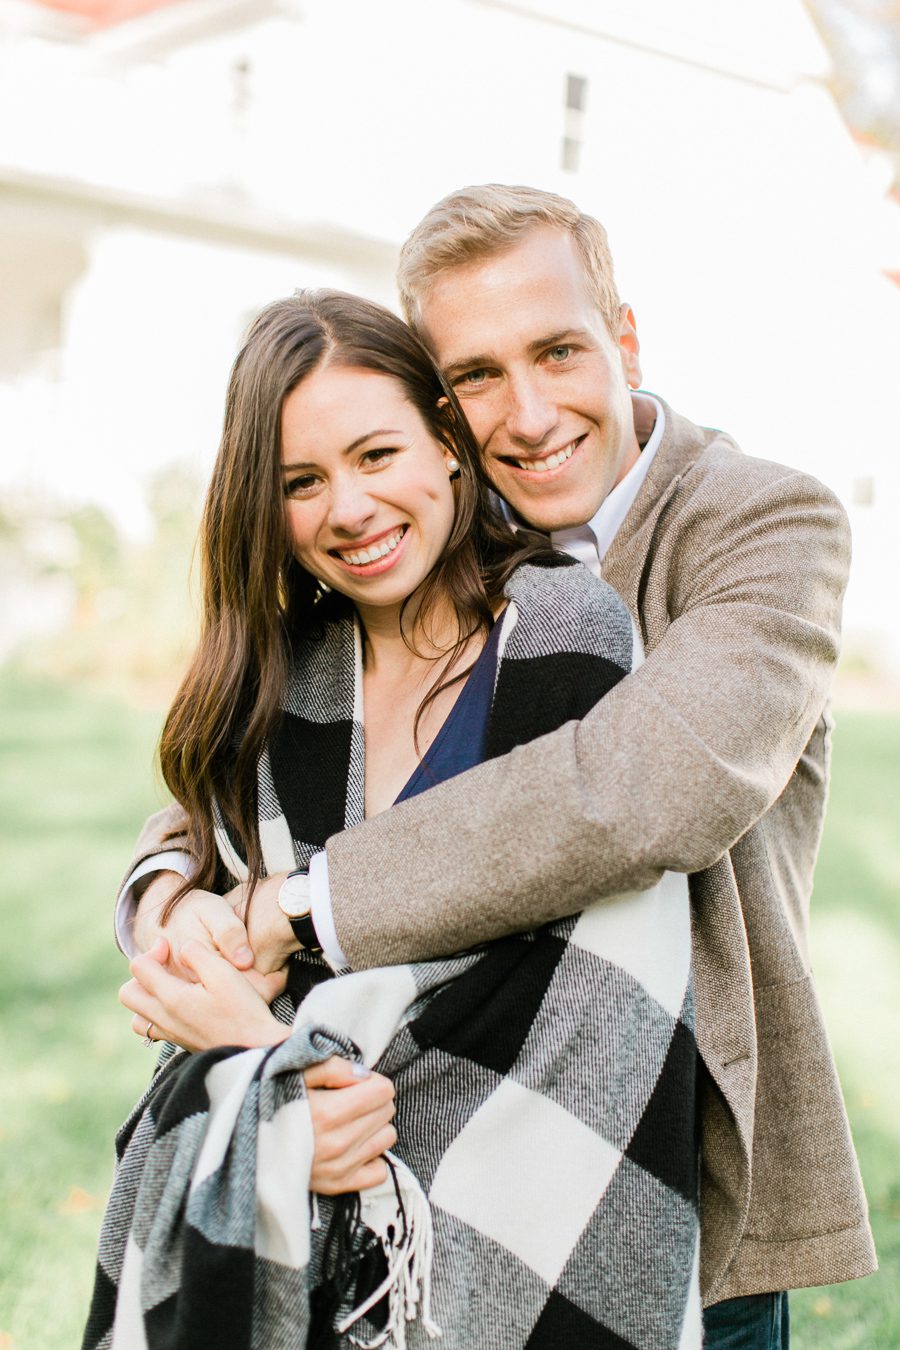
545,1089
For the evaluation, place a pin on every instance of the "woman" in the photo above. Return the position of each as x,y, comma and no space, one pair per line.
371,627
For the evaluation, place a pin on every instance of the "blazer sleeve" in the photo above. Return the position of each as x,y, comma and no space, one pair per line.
666,772
164,830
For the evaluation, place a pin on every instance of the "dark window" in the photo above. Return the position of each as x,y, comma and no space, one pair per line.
576,92
576,102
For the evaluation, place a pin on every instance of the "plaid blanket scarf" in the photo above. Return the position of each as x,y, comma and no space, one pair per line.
543,1191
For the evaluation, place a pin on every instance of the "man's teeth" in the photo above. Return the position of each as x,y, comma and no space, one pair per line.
369,555
551,462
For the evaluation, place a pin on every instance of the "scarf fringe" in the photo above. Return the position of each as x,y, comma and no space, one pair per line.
408,1248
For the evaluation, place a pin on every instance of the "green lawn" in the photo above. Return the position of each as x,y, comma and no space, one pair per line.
856,956
77,781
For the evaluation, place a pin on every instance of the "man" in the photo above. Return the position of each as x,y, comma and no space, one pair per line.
712,759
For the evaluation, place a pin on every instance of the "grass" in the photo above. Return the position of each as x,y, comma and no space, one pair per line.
856,956
76,778
76,783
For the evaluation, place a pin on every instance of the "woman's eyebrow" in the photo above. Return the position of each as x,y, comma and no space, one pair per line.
360,440
370,435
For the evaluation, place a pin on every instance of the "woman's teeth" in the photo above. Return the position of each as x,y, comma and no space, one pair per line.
551,462
376,551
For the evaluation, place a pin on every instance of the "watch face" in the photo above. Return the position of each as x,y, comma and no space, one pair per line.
293,898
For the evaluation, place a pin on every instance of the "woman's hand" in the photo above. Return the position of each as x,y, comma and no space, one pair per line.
223,1006
352,1109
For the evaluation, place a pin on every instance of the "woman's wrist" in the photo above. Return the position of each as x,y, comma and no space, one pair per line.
272,1032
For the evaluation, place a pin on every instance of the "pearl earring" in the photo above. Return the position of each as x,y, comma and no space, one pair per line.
452,466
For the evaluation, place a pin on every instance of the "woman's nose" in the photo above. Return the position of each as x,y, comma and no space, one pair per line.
351,506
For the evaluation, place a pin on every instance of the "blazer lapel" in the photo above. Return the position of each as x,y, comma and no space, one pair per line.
630,552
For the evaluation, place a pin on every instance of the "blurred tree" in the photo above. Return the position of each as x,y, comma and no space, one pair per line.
863,39
100,553
133,619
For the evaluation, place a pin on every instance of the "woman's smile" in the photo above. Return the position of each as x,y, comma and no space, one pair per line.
372,556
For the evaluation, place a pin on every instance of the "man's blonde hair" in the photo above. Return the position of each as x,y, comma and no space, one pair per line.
475,222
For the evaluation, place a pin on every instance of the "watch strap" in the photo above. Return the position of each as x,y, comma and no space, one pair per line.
305,932
302,925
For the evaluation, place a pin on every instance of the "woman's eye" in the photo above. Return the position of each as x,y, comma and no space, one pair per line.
301,486
380,456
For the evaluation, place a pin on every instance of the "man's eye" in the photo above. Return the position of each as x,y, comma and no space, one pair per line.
471,379
560,354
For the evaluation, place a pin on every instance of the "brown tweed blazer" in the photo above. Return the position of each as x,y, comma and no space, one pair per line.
713,760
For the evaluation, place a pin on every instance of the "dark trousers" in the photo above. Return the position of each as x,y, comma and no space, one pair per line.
756,1322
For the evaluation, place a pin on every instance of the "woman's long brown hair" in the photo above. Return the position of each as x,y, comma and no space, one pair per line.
257,600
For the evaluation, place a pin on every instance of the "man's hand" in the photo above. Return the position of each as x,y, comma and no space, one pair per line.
352,1109
223,1006
259,935
214,920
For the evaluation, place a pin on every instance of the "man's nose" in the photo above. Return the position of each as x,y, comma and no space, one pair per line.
530,415
351,505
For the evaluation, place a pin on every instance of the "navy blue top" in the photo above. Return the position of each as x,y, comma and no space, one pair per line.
460,743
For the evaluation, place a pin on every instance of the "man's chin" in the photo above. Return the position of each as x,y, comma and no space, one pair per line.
548,517
558,506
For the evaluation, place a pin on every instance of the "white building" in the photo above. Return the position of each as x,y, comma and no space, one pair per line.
164,176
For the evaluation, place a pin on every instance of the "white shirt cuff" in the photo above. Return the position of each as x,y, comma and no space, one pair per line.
173,860
637,648
321,913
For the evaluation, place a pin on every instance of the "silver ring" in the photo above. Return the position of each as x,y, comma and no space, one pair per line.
148,1039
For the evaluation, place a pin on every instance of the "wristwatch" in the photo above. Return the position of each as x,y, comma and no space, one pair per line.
293,901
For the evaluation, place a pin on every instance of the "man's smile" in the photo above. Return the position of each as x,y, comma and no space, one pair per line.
546,463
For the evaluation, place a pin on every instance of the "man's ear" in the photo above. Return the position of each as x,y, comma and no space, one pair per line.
629,346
